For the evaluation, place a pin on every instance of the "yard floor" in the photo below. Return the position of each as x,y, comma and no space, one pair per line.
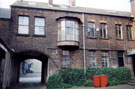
109,87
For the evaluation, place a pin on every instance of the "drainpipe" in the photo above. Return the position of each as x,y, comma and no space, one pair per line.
84,53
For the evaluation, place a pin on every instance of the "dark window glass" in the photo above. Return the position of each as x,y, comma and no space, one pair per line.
120,59
91,29
118,31
129,32
103,30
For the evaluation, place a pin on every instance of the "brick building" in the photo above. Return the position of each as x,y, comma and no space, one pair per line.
64,36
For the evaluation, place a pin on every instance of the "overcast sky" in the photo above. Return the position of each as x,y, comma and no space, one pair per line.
119,5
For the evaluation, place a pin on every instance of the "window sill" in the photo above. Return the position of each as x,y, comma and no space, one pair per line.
130,40
104,38
26,35
91,37
120,39
39,35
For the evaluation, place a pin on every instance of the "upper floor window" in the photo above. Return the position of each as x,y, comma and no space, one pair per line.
91,29
39,26
23,25
105,59
65,59
129,32
118,31
103,30
93,61
68,30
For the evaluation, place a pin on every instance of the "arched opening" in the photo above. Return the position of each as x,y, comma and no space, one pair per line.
2,62
30,60
30,71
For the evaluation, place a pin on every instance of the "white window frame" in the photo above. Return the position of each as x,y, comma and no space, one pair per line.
105,59
23,24
38,27
103,31
90,30
119,28
62,36
93,60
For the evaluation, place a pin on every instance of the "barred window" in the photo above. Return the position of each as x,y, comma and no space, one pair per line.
23,25
105,59
39,26
65,59
103,30
93,61
118,31
91,29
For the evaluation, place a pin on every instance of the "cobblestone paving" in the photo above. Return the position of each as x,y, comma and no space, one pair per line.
29,86
113,87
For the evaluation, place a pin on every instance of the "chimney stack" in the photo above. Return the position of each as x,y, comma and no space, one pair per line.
72,2
132,7
50,2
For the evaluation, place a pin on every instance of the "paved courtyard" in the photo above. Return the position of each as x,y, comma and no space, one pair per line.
112,87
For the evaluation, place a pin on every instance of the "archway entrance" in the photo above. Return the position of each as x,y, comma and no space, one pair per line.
2,62
29,67
30,71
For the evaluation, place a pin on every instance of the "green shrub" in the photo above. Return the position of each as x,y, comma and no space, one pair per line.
89,83
55,81
75,77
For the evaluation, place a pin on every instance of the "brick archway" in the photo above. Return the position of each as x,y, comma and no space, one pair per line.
24,55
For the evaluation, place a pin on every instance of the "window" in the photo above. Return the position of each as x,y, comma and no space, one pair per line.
91,29
120,59
105,59
93,62
39,26
118,31
68,30
23,27
65,59
103,30
129,32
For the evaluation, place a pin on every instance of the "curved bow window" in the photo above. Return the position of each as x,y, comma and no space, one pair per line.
68,30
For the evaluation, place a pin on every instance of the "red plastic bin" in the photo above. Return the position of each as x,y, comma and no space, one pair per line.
96,81
103,80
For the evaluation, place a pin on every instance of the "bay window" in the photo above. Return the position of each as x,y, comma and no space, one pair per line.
68,30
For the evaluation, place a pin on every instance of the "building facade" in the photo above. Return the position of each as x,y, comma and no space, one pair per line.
65,36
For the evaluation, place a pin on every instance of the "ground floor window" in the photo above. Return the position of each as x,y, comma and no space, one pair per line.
105,59
120,59
93,61
65,59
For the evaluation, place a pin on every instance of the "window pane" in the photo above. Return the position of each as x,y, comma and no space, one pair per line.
91,29
65,59
23,25
129,32
39,26
39,30
103,32
23,30
105,59
23,20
